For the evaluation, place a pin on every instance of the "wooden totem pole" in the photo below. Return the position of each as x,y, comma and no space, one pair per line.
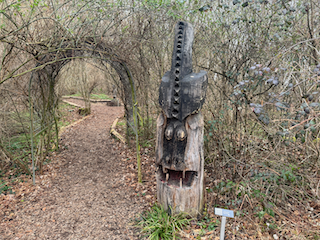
179,150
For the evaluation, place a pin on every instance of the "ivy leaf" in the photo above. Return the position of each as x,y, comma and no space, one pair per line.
282,133
307,110
314,105
205,8
275,82
257,110
235,2
280,105
304,105
245,4
253,68
264,119
252,104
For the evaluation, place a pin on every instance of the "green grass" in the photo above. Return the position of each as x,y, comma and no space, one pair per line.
19,141
157,224
74,95
4,187
121,123
64,110
65,106
100,96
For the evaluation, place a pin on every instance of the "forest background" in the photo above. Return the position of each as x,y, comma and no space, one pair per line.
262,107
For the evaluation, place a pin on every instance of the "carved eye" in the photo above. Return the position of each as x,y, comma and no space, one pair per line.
169,132
181,134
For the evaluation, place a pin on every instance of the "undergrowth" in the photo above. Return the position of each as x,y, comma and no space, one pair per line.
15,146
157,224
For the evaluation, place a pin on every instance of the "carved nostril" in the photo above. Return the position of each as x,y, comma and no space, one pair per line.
181,134
169,132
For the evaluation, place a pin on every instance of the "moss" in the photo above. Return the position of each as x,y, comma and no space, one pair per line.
84,111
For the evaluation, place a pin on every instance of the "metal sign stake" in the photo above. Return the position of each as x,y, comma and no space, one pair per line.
223,227
224,213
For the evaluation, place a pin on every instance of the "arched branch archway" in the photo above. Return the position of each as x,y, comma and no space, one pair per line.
50,64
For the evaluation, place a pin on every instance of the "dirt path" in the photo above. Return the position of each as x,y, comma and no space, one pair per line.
89,198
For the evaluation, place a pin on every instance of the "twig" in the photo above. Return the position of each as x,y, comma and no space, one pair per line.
304,121
246,196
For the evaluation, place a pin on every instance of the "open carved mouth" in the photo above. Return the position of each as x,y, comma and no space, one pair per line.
177,178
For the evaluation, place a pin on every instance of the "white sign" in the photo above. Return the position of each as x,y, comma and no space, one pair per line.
224,212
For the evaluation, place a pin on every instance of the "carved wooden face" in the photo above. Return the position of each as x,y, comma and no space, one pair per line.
174,145
178,156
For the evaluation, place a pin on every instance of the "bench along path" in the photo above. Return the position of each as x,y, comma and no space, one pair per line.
88,199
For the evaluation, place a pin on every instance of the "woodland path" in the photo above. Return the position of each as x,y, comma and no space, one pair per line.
89,198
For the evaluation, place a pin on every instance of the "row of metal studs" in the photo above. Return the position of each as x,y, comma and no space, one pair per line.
176,95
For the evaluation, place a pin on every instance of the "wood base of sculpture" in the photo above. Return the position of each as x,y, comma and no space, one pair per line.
182,190
181,199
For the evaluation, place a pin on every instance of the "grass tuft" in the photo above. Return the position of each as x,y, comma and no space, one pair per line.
157,224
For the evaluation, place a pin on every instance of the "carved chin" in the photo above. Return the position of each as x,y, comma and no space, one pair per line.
179,179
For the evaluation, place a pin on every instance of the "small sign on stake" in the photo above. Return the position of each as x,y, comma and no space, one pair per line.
224,213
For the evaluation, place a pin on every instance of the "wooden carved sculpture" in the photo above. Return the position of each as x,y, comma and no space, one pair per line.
179,150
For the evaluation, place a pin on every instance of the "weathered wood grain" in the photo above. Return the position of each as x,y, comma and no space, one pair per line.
184,198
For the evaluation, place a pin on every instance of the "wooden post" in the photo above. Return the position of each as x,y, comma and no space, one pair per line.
179,149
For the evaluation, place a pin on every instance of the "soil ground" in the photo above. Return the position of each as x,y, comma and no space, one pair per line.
90,195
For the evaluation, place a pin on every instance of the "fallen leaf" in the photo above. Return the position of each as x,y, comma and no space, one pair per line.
208,233
296,212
